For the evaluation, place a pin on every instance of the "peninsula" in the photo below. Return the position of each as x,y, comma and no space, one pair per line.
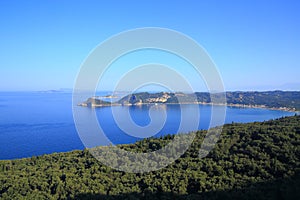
279,100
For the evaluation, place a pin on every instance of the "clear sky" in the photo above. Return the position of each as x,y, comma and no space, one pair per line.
255,44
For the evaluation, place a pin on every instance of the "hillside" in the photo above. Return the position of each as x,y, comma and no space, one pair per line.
251,161
271,99
285,100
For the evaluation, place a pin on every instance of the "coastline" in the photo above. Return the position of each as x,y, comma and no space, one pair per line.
193,103
85,148
288,101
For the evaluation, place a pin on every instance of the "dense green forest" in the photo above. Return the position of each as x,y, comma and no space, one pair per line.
270,99
257,160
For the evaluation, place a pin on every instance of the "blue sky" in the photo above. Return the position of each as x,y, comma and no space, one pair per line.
255,44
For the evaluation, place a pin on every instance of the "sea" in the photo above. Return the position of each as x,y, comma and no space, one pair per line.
37,123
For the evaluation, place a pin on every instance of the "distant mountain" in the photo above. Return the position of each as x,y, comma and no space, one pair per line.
284,100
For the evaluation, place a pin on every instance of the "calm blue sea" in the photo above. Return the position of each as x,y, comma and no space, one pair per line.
36,123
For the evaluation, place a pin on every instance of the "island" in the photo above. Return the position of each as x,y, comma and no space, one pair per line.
277,100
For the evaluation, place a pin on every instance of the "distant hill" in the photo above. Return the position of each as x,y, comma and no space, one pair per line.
270,99
285,100
259,160
93,102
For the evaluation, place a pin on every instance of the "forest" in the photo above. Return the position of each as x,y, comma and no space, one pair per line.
258,160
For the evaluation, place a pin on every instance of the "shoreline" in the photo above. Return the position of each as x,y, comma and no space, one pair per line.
79,150
194,103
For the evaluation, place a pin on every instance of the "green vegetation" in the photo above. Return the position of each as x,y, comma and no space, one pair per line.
93,101
257,160
286,100
271,99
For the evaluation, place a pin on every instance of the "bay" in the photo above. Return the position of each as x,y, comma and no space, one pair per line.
36,123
